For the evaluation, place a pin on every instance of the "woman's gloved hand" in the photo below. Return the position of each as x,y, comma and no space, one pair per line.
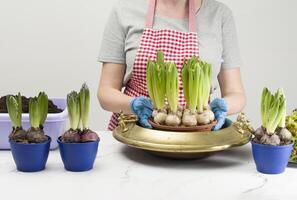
220,109
143,108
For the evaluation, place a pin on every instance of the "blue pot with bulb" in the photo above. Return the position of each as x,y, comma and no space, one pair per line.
30,157
271,159
78,157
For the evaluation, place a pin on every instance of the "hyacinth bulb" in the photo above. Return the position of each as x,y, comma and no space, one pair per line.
18,135
172,120
89,136
36,135
71,136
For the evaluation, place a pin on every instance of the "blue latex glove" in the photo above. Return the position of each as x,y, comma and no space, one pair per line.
220,109
143,108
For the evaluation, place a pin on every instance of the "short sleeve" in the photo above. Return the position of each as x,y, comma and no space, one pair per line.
231,53
113,41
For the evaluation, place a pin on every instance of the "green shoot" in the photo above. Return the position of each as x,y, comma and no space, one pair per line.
156,81
38,109
42,100
14,107
197,79
172,86
34,116
73,106
84,99
273,110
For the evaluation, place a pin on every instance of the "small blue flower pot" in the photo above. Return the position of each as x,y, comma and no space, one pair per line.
30,157
78,157
271,159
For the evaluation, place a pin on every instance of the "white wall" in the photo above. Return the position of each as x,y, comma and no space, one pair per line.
53,46
267,32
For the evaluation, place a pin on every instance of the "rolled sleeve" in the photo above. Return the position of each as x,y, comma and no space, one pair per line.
112,48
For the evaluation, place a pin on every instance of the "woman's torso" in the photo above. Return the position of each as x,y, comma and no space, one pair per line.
129,20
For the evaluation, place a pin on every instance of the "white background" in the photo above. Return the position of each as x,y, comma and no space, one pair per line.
53,46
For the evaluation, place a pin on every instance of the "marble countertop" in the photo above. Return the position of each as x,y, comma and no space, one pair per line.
121,172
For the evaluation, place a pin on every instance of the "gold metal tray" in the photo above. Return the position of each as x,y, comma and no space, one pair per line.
181,144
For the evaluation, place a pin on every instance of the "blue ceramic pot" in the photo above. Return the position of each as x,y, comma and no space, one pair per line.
78,157
271,159
30,157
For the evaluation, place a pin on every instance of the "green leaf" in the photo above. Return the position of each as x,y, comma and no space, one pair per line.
172,86
149,83
160,58
158,80
42,100
73,107
84,97
264,98
197,81
34,115
185,81
194,79
273,110
14,108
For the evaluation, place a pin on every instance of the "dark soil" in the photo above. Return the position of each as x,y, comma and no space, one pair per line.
52,108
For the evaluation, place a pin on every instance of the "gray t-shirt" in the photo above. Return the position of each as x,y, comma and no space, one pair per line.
217,38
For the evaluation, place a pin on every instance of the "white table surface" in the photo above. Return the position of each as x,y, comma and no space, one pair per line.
121,172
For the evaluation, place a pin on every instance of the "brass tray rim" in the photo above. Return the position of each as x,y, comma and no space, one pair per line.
171,148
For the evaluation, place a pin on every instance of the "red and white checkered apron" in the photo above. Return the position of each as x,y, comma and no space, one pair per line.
176,47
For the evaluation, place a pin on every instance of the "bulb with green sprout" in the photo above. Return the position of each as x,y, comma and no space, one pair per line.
273,115
190,78
155,79
73,106
38,110
204,115
172,88
14,107
197,78
284,134
78,105
87,134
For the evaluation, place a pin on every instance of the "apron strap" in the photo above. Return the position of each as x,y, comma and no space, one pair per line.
151,14
192,16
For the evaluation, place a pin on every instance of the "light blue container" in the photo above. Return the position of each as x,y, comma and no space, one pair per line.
54,126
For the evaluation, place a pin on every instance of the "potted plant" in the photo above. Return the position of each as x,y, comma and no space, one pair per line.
272,142
54,125
29,148
291,124
78,147
163,88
